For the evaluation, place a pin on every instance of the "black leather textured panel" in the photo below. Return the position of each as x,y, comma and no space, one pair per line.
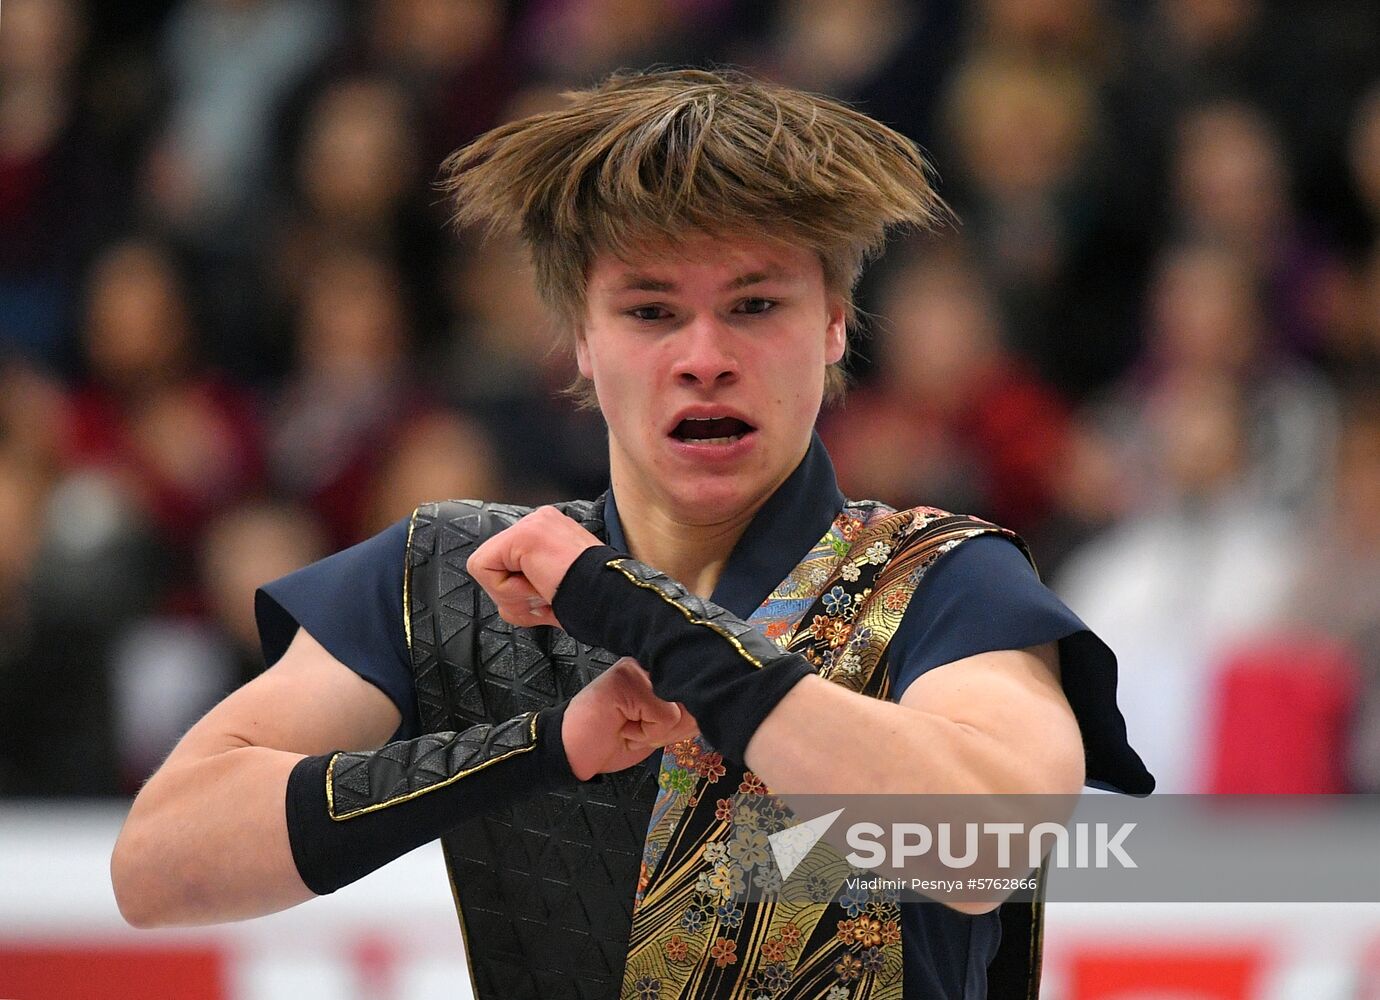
545,888
365,781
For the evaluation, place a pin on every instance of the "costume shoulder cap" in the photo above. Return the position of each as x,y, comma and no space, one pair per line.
927,527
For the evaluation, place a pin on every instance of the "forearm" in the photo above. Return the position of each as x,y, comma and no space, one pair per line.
824,739
996,722
207,841
723,670
250,831
350,813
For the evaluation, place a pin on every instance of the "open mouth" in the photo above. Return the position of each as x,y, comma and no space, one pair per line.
711,430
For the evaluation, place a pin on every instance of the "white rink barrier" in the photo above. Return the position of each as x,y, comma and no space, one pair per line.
394,936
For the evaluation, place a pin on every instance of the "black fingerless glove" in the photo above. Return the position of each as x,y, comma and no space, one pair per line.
727,674
352,812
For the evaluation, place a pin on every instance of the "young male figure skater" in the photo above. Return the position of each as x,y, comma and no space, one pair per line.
699,236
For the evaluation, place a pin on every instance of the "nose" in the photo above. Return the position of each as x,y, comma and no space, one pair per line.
706,355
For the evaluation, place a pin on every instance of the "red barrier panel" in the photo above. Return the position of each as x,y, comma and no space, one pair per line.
1187,972
76,972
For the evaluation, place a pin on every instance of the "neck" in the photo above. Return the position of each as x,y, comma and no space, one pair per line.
674,536
678,542
693,554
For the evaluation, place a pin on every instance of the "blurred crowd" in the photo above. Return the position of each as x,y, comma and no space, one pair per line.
236,332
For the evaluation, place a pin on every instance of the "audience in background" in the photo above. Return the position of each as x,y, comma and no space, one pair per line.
450,56
1206,317
352,385
1231,187
168,669
1023,131
1339,574
953,418
177,439
230,64
1203,562
503,362
235,332
56,176
1363,156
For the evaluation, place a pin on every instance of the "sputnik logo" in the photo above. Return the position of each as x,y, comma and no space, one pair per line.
790,846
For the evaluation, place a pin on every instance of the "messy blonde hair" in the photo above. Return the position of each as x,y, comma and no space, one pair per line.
647,158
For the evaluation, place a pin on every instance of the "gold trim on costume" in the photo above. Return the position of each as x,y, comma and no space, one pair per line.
632,578
330,785
460,916
452,779
407,582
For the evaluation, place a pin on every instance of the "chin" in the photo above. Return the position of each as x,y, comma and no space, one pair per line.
714,501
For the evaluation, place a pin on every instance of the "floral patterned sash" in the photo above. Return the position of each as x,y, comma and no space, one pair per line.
694,934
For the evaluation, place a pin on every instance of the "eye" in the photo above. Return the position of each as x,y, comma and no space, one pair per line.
755,306
649,314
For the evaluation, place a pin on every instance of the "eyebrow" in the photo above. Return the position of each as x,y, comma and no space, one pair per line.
640,282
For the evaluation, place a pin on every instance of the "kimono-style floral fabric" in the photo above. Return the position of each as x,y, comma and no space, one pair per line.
712,916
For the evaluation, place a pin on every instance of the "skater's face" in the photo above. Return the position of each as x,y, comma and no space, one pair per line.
708,359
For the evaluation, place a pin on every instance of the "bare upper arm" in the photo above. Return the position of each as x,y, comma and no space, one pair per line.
307,703
1015,698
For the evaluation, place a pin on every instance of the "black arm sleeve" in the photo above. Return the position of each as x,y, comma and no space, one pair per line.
726,673
349,813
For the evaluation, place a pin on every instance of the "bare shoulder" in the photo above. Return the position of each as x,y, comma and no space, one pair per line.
307,703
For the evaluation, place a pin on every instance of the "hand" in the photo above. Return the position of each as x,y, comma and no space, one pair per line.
617,720
521,567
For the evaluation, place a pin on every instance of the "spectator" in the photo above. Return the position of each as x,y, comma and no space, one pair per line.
34,410
1352,353
56,173
453,57
21,508
437,456
957,422
1363,151
230,63
1179,581
168,670
574,41
1232,188
1074,32
889,57
1206,320
178,439
77,567
351,387
1339,574
357,183
1024,133
502,365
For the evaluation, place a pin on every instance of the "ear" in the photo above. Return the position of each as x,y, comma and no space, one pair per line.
582,355
836,333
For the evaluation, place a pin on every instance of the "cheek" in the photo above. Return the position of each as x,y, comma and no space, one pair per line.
797,395
619,386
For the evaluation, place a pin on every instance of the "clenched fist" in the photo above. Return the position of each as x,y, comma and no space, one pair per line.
617,720
521,566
